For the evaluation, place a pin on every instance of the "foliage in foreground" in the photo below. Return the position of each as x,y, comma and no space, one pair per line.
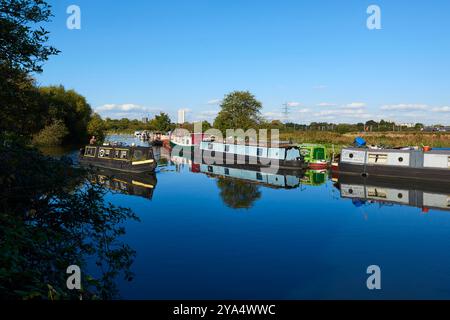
51,218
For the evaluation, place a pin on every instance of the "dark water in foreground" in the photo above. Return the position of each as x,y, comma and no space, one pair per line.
203,236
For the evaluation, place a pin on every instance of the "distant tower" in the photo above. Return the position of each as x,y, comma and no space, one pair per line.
285,111
181,116
145,120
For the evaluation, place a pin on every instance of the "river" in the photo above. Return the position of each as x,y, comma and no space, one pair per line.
313,236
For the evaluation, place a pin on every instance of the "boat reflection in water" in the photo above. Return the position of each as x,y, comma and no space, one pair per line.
425,195
142,185
240,185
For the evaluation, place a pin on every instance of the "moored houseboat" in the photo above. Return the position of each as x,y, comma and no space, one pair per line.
180,139
315,155
280,154
411,163
121,158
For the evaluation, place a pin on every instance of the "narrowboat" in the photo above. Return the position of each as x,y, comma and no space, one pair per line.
184,140
315,155
285,156
411,163
156,139
122,158
422,194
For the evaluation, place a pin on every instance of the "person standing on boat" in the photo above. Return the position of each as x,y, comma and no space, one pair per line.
93,141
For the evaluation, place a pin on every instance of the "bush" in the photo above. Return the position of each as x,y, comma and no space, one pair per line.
51,135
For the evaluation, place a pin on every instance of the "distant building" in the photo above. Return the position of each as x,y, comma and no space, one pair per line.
407,125
145,120
181,116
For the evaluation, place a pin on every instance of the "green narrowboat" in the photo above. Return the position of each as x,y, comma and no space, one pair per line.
315,155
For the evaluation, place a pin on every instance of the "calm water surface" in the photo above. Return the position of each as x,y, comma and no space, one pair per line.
203,236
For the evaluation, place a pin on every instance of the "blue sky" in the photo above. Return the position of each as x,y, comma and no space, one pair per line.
136,58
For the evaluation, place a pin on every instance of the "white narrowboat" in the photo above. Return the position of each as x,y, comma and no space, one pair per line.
286,156
433,164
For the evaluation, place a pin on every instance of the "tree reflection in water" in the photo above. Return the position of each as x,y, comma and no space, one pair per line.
51,217
238,194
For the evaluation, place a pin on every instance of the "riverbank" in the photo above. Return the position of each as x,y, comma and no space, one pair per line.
392,139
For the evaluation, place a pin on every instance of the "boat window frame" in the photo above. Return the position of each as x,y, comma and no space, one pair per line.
105,156
121,150
86,154
144,155
377,158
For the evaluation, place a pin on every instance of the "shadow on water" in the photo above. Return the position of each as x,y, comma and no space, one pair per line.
51,218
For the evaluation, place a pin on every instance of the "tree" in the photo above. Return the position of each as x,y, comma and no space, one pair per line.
161,122
22,44
70,107
51,135
52,217
239,110
22,51
96,127
23,111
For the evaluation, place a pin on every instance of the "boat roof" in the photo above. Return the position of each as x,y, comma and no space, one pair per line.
264,144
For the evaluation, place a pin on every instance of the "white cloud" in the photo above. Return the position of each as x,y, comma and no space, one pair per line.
326,104
214,101
208,115
355,105
304,110
442,109
126,110
404,107
293,104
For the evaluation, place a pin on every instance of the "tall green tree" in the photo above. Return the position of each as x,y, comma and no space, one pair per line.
161,122
97,127
239,110
23,39
69,107
23,50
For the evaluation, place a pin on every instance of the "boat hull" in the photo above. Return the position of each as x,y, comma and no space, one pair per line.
395,172
122,167
233,159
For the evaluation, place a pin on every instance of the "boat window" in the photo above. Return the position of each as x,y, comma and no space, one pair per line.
378,158
138,155
117,154
319,154
375,193
227,148
90,151
210,169
210,146
449,162
104,153
227,171
259,176
259,152
124,154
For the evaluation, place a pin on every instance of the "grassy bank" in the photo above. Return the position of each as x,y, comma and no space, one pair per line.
390,139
